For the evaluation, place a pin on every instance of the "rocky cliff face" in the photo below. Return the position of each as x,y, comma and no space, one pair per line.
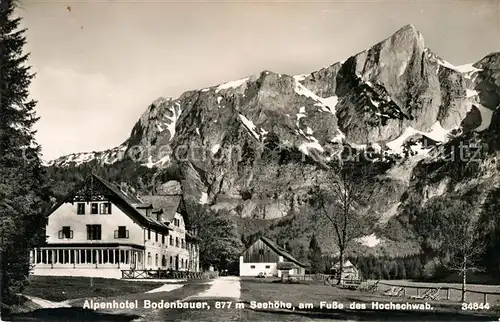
255,145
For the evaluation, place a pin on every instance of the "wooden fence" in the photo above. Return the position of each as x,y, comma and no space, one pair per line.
448,293
166,274
309,277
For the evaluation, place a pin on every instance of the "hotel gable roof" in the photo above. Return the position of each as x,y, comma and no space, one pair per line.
94,188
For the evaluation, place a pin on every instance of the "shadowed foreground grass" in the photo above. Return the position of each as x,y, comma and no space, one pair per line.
61,288
70,314
262,291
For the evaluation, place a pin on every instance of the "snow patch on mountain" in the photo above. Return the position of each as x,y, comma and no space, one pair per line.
446,64
437,133
215,148
150,164
418,149
486,115
300,78
327,104
467,68
203,198
376,104
176,112
369,240
358,146
232,84
331,102
249,126
471,93
463,69
263,134
104,157
306,146
301,114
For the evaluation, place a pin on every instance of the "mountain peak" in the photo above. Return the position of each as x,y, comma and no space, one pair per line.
407,27
407,32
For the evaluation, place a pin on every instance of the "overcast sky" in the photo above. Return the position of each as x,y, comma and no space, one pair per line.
100,64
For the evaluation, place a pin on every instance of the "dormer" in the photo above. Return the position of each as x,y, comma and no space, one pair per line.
146,207
158,214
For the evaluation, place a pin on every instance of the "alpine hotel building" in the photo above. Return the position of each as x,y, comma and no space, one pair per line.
98,230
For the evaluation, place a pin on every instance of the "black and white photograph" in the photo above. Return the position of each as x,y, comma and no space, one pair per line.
249,160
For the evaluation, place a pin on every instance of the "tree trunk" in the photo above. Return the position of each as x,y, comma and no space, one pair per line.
464,283
341,266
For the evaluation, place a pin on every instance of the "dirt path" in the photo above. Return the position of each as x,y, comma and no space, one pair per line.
46,304
221,288
166,288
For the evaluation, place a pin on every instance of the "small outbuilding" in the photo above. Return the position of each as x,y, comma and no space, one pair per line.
349,271
265,256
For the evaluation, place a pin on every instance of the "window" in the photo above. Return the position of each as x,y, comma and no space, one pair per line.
171,261
94,207
66,232
261,252
149,258
182,243
163,240
156,237
268,266
122,232
94,232
156,259
80,208
252,266
105,208
171,241
176,241
163,261
149,234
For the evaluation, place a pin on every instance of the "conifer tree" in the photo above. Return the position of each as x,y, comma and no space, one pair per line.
22,190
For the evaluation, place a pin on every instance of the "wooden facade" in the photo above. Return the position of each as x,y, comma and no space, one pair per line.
264,257
259,252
